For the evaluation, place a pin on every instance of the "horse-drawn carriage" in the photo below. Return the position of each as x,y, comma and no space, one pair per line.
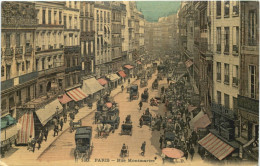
145,95
126,128
147,117
169,137
84,145
155,84
134,94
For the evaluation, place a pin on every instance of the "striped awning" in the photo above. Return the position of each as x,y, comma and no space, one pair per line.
122,74
102,81
26,122
77,94
215,146
64,99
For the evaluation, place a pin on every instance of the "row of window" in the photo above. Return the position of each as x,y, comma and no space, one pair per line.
72,61
69,24
234,71
86,25
227,4
235,77
103,16
226,37
20,39
49,62
21,68
54,14
226,100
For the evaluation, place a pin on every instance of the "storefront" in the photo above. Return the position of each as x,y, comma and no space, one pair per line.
9,133
46,114
129,70
113,80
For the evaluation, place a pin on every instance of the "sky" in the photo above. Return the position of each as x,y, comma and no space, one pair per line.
152,10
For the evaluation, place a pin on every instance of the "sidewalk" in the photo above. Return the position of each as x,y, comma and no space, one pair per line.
83,112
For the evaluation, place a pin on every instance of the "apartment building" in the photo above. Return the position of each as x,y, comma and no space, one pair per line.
103,38
87,37
71,37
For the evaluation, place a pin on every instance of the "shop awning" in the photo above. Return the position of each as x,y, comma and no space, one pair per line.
46,114
64,99
122,74
191,108
113,77
91,86
77,94
7,121
102,81
26,122
128,66
202,122
197,117
215,146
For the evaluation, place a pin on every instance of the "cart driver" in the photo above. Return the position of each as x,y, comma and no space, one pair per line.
123,150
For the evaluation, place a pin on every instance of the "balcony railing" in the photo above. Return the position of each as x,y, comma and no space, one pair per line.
71,69
217,108
18,52
9,52
51,70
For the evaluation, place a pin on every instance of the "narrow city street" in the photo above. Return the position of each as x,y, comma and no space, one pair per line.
109,148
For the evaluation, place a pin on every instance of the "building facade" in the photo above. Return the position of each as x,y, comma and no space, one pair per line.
87,37
103,38
71,36
248,98
18,71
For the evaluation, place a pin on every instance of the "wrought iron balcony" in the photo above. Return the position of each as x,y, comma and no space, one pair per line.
217,108
9,52
51,71
18,52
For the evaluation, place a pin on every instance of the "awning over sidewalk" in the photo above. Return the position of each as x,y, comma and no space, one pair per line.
216,146
202,122
197,117
64,99
77,94
129,66
26,122
46,114
122,74
102,81
8,130
113,77
91,86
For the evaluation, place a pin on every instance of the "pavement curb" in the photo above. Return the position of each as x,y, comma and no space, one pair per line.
48,147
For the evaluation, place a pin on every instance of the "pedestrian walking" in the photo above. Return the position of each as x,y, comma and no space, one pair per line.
122,88
141,122
186,154
140,104
56,130
65,117
192,151
46,132
168,80
61,124
161,141
128,81
39,140
29,142
143,148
